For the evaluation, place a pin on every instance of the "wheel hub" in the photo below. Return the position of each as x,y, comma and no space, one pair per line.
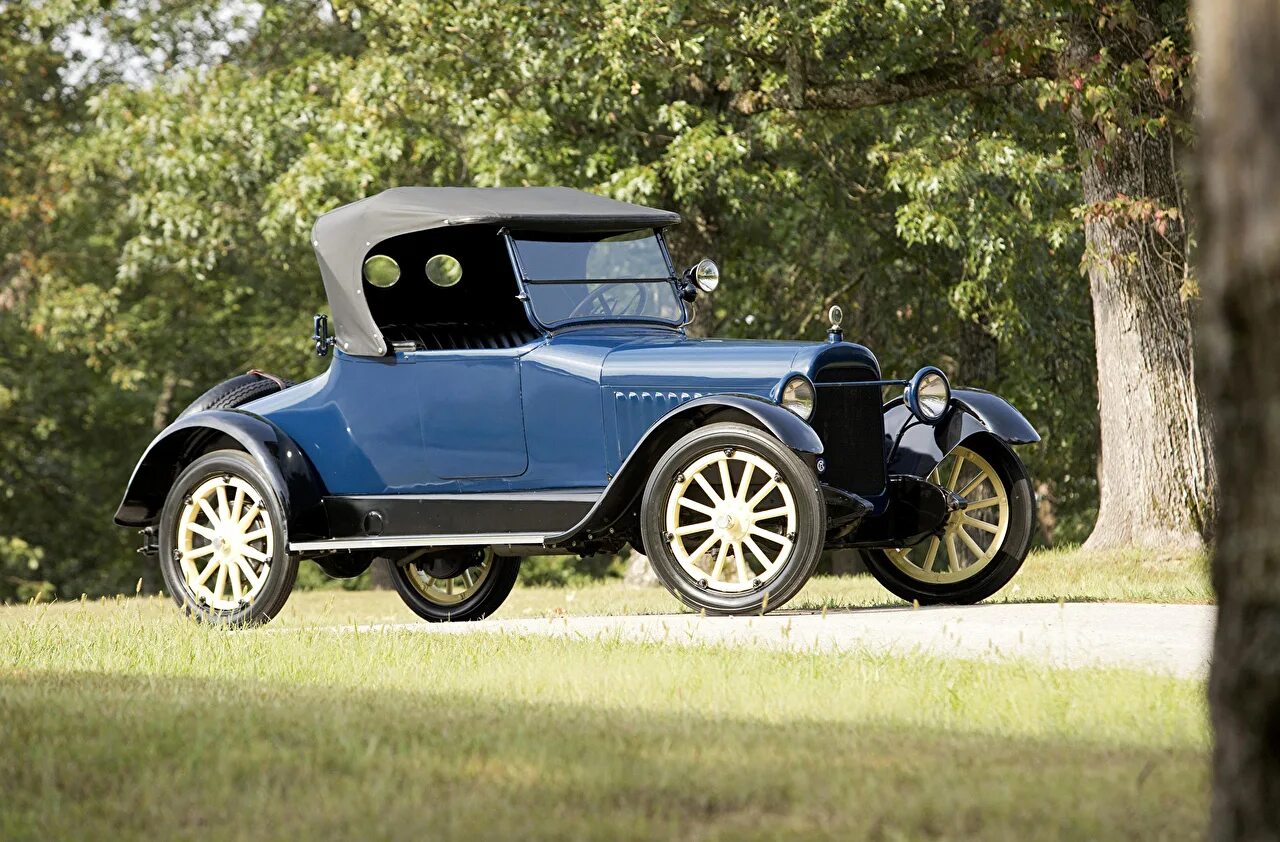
443,567
732,521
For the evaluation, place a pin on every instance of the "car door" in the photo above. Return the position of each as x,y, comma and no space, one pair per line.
470,412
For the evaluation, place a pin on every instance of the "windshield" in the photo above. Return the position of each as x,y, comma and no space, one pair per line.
579,277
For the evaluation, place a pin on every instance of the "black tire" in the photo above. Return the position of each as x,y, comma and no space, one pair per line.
236,391
701,593
282,571
414,583
1007,560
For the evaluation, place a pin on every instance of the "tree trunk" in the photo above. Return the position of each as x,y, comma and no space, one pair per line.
380,577
639,573
978,362
164,402
1239,349
1156,472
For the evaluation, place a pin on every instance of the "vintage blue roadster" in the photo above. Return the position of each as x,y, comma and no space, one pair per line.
512,376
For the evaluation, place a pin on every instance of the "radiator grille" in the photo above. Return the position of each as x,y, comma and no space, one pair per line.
851,426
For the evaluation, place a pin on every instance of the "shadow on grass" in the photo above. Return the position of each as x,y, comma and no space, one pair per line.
86,755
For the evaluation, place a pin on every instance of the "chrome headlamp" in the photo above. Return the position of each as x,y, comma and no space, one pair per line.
797,396
706,275
928,394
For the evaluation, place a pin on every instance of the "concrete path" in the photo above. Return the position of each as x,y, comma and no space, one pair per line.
1167,639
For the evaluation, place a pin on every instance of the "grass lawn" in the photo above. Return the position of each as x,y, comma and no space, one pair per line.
118,719
1047,576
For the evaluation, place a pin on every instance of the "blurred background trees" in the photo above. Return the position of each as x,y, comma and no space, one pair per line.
920,163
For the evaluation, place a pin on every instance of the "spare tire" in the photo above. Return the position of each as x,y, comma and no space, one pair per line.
237,391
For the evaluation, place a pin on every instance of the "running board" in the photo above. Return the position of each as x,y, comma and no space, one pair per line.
504,539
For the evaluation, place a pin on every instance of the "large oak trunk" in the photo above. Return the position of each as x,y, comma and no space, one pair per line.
1156,472
1240,357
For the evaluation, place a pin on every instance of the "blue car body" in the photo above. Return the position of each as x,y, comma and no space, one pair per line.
544,439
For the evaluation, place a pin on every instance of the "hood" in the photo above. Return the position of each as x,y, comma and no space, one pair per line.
751,366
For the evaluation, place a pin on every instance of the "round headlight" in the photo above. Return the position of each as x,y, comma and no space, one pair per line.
929,394
706,275
797,396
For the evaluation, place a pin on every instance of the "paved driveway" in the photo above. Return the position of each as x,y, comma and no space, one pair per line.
1168,639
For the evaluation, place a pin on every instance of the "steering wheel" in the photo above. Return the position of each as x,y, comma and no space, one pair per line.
596,296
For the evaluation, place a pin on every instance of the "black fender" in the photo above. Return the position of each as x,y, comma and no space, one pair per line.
914,448
625,487
294,480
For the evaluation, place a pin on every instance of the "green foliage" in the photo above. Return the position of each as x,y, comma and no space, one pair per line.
156,205
569,571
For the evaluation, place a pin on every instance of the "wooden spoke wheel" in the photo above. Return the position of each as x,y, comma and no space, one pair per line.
732,520
222,544
453,585
981,545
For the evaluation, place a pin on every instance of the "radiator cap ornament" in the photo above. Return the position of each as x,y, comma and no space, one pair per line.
835,333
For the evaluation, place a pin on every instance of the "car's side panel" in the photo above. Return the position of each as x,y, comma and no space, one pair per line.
449,422
563,427
293,478
358,423
915,448
472,423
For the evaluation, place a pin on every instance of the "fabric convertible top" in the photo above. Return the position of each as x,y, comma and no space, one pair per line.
342,237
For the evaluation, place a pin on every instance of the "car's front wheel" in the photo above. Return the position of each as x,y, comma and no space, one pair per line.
981,546
453,585
222,542
733,521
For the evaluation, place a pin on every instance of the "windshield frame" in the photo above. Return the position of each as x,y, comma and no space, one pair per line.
524,281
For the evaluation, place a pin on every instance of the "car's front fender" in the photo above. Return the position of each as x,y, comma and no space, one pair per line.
294,480
914,448
625,486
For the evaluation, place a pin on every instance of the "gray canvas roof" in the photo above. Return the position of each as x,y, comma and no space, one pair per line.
343,236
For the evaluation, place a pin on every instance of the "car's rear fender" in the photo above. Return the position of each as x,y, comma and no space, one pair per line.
914,448
621,497
293,479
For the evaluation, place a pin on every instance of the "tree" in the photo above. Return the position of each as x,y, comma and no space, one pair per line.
919,164
735,79
1119,68
1240,163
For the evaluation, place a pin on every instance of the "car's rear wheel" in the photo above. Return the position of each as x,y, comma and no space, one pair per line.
732,520
222,542
981,546
453,585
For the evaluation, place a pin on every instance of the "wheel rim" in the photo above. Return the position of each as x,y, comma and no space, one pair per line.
225,543
452,590
972,536
731,521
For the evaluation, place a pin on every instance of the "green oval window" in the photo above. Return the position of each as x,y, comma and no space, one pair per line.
381,271
444,270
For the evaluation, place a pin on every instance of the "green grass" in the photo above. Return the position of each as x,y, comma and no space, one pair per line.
1070,575
118,719
121,724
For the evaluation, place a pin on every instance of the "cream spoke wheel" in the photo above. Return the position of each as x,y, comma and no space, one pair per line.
238,543
972,535
455,586
730,520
